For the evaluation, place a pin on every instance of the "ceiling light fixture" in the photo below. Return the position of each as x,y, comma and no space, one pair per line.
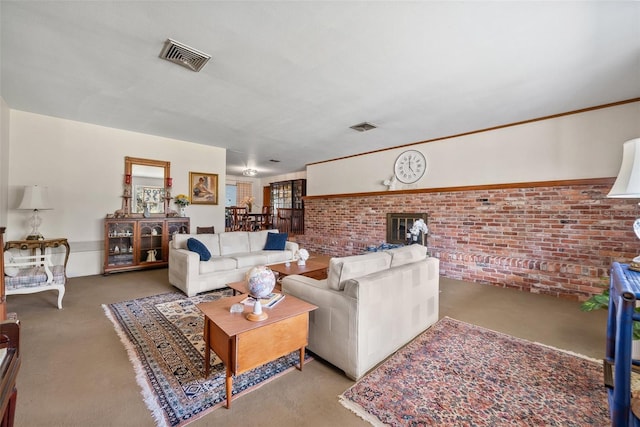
363,127
249,172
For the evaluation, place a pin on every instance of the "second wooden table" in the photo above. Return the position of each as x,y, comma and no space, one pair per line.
243,345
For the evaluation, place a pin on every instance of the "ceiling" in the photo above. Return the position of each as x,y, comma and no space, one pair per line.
287,79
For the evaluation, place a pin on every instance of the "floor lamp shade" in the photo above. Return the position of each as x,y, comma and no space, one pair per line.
35,198
627,184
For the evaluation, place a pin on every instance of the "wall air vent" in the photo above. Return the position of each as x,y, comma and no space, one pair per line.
363,127
184,55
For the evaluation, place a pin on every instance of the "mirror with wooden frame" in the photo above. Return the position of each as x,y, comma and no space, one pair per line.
147,187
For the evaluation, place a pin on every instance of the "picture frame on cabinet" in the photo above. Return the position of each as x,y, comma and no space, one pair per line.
204,188
148,196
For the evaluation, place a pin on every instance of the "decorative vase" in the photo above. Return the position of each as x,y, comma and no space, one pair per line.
182,211
146,213
151,255
249,207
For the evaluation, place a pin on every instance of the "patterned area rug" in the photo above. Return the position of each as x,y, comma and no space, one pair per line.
163,337
456,374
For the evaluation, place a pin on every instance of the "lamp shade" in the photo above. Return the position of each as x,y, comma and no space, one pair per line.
627,184
35,197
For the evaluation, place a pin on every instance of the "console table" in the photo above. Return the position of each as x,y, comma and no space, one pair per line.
42,245
624,291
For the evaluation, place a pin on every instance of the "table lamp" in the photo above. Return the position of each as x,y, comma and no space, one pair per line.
627,184
35,198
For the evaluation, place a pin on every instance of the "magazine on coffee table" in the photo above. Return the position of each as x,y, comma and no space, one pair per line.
271,300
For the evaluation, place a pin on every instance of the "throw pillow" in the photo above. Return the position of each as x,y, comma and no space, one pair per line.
8,270
197,246
276,241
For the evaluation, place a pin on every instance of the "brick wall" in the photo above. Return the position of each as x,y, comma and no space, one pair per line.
552,239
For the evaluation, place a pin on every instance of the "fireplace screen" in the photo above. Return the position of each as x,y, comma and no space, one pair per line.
399,224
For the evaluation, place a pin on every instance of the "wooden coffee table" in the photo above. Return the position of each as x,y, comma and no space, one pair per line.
315,268
243,345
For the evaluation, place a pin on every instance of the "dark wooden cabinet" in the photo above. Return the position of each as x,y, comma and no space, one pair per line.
288,203
3,297
139,243
288,194
9,354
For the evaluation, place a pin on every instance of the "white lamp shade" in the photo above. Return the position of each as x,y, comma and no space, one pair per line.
627,184
35,197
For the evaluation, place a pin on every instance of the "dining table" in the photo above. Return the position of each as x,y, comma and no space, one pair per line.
254,220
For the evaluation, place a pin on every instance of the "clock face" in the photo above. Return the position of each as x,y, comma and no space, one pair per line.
410,166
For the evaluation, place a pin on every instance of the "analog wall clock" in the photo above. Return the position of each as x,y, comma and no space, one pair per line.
410,166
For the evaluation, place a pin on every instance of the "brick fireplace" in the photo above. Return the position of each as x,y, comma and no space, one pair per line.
556,238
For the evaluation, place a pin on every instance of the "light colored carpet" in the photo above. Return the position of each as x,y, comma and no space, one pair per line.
75,371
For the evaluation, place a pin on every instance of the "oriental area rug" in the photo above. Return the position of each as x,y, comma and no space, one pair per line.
457,374
163,336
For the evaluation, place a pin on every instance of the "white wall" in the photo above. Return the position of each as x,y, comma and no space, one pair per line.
585,145
83,166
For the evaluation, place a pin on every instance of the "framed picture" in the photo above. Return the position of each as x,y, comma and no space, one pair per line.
149,196
204,188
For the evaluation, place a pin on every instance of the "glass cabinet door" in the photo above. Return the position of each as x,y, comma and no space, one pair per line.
177,226
120,243
151,235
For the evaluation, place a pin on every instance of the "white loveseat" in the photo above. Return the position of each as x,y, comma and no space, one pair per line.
233,253
369,306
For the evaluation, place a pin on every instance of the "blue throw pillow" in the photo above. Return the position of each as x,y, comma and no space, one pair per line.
275,241
196,245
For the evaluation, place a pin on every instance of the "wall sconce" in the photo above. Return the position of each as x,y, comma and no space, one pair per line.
35,198
169,182
627,184
127,179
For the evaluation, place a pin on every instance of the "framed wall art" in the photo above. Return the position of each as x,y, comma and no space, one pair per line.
204,188
148,196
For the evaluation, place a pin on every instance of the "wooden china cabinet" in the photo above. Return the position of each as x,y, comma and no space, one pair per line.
137,236
287,199
139,243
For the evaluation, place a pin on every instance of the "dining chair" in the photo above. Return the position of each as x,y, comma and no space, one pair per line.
266,221
205,230
238,218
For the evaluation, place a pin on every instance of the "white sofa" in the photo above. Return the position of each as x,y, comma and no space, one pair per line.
369,306
233,253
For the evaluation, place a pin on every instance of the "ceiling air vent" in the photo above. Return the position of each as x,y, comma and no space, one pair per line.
363,127
184,55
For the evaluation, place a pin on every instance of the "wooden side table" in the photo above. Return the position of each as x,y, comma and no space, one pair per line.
42,245
243,345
